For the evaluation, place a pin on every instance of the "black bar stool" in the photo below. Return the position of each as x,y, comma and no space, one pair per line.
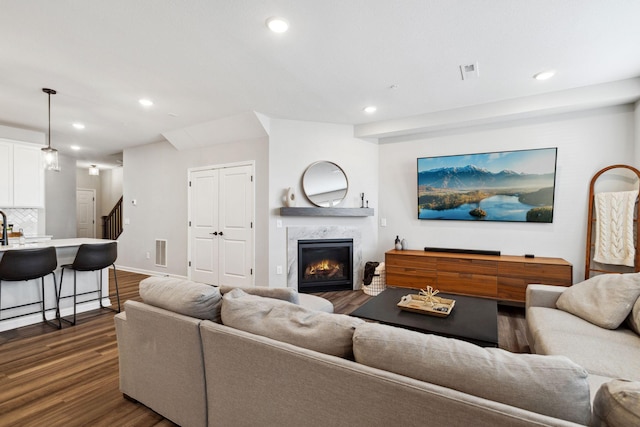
29,264
92,257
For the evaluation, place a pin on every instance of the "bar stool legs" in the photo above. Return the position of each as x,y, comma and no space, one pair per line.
92,257
55,289
75,294
30,264
115,279
43,310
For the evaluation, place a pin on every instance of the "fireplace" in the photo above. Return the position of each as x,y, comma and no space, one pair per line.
325,265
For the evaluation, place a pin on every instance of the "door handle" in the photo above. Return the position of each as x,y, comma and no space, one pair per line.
215,233
220,233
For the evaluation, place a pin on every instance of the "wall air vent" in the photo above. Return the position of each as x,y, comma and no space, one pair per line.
469,72
161,252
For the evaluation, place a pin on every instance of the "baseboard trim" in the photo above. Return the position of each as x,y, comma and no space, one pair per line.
148,272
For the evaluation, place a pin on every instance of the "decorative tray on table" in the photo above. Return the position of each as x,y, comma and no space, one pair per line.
427,304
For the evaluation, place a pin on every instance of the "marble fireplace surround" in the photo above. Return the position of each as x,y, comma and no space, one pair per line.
322,232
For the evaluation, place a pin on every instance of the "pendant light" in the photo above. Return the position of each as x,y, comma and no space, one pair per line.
93,170
50,154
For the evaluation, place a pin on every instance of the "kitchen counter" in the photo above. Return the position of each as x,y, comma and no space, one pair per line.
56,243
29,239
16,293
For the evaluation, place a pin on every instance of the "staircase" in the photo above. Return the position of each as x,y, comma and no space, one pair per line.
112,223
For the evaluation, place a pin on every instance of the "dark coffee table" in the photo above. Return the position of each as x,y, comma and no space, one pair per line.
472,319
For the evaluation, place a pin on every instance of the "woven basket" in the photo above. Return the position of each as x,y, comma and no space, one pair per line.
378,283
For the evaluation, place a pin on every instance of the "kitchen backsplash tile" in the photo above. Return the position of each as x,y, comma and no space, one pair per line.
24,218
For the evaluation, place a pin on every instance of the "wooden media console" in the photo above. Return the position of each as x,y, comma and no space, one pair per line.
501,277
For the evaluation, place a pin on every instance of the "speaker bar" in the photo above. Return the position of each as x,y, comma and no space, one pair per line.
463,251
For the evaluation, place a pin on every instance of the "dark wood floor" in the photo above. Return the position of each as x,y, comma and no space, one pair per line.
69,377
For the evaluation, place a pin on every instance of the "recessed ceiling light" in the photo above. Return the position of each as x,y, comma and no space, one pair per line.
370,109
544,75
75,147
78,125
277,24
146,102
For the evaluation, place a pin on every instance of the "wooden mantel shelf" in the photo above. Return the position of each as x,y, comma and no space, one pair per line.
326,212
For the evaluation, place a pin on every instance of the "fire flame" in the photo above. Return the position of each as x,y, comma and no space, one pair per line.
325,268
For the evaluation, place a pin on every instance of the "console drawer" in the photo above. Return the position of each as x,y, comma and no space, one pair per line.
467,283
548,274
410,261
512,289
460,265
503,277
409,277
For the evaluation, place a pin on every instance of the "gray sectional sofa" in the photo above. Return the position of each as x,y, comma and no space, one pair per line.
200,358
595,323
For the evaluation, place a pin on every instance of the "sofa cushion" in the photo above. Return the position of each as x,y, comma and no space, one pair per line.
617,403
603,300
633,321
609,358
182,296
285,294
315,302
290,323
595,382
550,385
542,320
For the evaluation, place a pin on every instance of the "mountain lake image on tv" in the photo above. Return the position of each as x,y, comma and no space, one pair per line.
502,186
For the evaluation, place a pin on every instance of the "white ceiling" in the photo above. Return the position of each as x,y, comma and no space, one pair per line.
204,60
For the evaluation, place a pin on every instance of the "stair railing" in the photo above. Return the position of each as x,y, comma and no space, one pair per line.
112,223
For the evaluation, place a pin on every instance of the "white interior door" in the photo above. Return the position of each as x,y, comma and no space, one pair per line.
221,226
204,223
86,213
236,226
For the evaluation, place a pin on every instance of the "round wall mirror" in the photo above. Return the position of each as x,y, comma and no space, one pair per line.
325,184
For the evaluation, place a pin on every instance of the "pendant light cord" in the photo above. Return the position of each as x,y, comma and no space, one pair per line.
49,140
49,92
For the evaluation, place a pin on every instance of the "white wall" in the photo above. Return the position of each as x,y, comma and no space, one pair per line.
60,200
586,141
294,145
155,175
111,181
23,135
110,189
637,135
92,182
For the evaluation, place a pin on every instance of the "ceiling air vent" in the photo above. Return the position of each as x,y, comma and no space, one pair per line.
470,71
161,253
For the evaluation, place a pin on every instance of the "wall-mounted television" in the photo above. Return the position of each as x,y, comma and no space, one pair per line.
500,186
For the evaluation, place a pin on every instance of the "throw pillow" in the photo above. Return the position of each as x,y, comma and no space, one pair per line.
550,385
285,294
617,404
603,300
634,317
283,321
182,296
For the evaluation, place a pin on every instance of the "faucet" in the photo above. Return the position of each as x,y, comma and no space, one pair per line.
5,235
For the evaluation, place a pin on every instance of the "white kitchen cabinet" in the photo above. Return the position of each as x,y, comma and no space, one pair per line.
6,175
21,176
28,177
